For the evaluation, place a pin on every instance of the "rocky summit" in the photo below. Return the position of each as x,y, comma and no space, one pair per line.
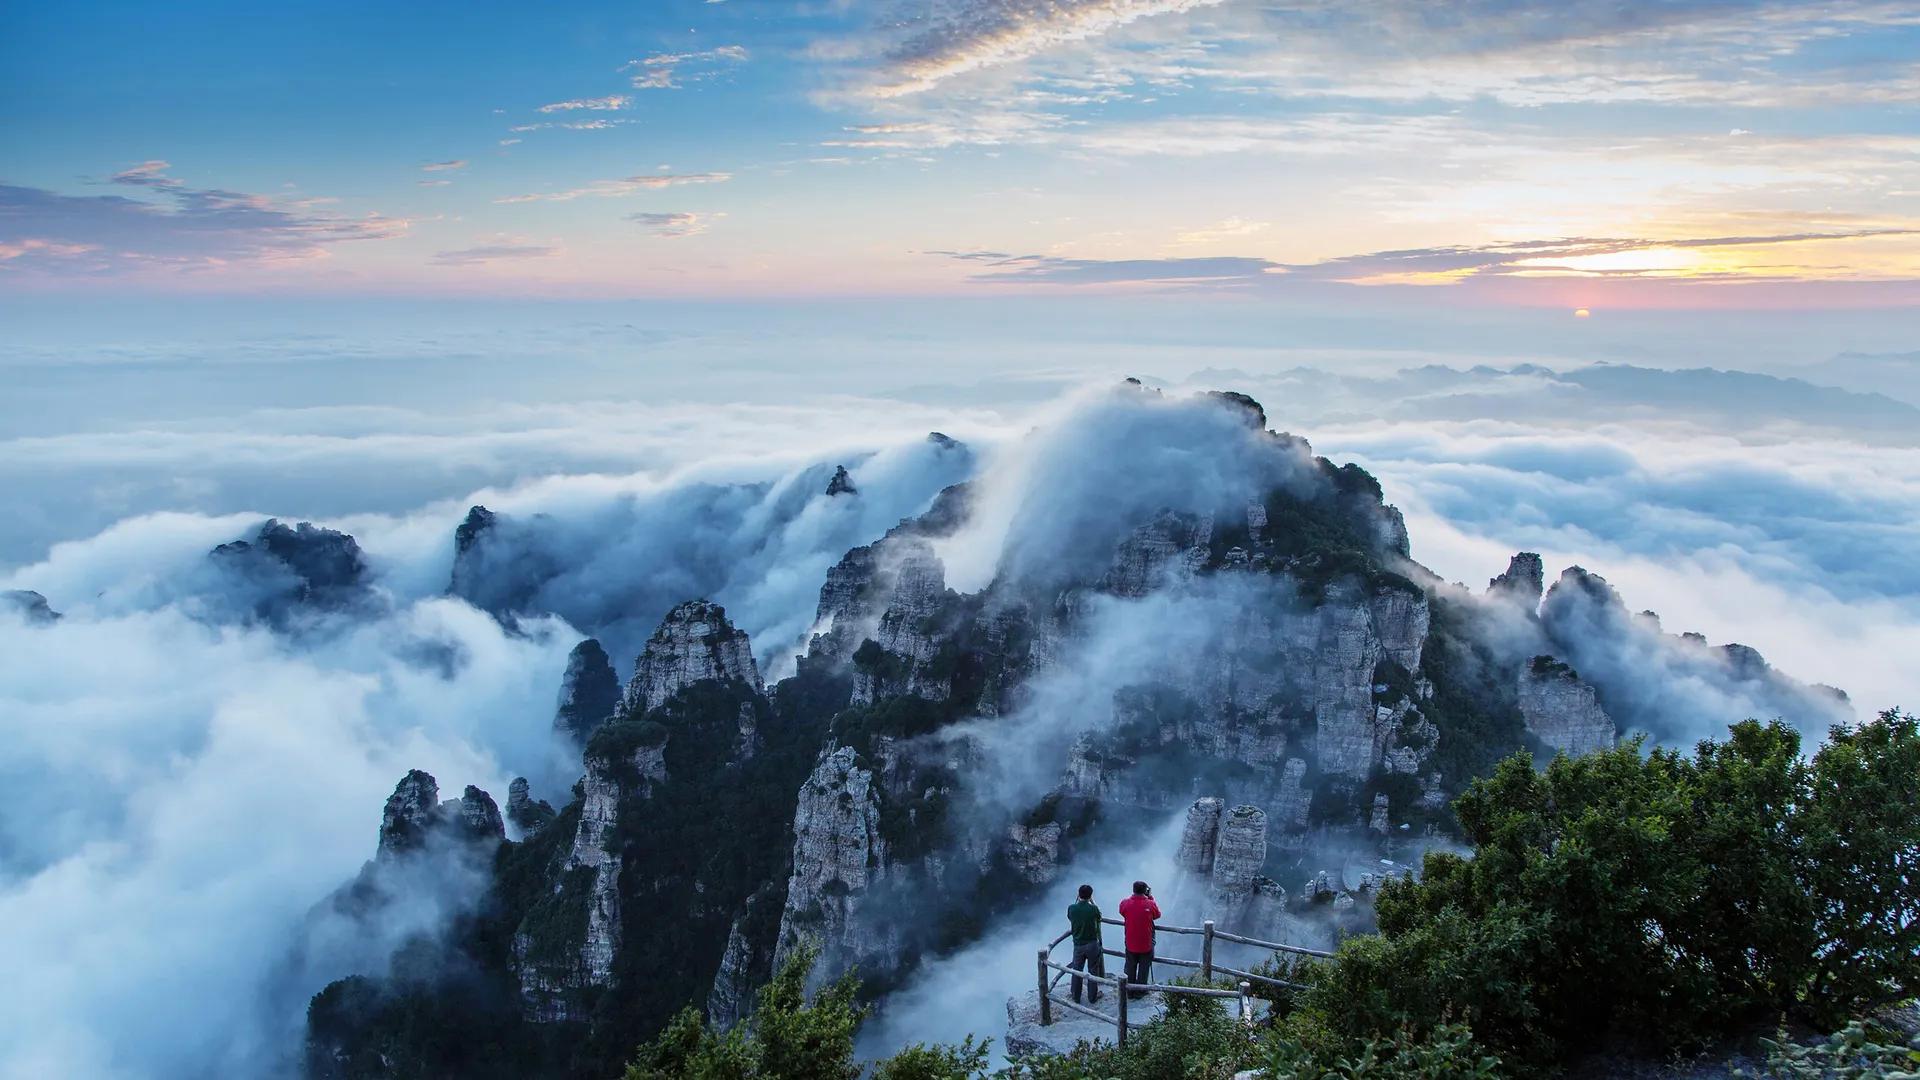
1245,655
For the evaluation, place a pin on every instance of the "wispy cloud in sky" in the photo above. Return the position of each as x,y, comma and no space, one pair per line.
444,166
675,223
604,189
186,228
610,102
667,71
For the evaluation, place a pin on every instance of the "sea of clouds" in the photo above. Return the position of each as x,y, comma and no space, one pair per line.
184,786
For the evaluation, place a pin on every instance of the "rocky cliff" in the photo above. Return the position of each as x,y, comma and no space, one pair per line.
694,643
1248,646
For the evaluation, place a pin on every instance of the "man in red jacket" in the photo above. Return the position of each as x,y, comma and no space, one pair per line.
1138,913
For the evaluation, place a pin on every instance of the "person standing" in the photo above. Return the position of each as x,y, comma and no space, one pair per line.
1084,917
1138,912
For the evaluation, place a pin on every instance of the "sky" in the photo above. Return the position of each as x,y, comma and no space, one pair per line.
1635,286
1693,154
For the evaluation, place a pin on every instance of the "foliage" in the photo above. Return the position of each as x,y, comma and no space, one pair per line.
1448,1052
967,1061
1849,1054
1657,898
789,1038
1197,1040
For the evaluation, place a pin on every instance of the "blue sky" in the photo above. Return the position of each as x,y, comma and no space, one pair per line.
1699,153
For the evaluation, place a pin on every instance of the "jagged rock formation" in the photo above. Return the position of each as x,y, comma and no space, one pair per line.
499,565
527,815
696,642
29,605
411,811
589,692
747,962
1523,580
300,569
841,484
415,817
1560,710
838,855
1270,653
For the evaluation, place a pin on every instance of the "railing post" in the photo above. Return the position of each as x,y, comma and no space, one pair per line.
1206,952
1046,1005
1120,997
1246,1003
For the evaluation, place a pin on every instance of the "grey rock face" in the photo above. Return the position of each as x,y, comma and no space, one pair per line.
1034,851
693,644
589,692
1400,622
527,815
745,965
1562,711
838,855
1343,688
479,815
410,813
1378,823
299,568
414,817
841,484
1524,580
29,605
908,631
1199,838
1172,543
1242,850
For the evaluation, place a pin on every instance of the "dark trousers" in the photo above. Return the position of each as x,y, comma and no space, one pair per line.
1090,959
1139,969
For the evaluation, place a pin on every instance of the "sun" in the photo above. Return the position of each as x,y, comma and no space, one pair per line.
1581,313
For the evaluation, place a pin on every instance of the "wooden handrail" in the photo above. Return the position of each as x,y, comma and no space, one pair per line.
1208,968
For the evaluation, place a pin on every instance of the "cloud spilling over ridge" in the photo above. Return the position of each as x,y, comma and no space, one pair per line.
1053,503
198,781
189,791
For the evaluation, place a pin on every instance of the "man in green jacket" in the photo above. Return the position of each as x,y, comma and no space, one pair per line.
1084,917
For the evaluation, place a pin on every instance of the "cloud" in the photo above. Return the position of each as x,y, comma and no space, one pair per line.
976,34
1578,256
610,102
489,253
444,166
607,189
433,183
674,224
664,71
146,174
187,228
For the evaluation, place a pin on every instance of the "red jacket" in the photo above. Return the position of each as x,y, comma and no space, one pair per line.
1138,912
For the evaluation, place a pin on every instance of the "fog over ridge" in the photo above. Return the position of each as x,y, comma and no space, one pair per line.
198,780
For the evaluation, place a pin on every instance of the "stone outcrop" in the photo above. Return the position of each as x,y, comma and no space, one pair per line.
1034,851
745,964
841,484
29,605
908,636
410,813
1238,856
1560,710
589,692
296,569
1524,580
1199,837
414,818
1172,543
694,643
1400,622
527,815
838,856
499,565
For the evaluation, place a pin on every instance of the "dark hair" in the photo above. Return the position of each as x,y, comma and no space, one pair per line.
1086,892
1139,888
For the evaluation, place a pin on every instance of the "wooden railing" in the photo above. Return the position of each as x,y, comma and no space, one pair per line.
1206,965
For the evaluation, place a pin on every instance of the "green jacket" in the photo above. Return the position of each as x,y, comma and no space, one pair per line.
1085,920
